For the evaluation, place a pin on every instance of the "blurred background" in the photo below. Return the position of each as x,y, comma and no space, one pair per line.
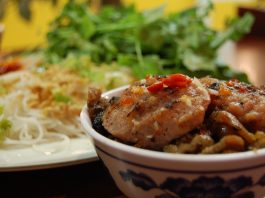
24,25
26,22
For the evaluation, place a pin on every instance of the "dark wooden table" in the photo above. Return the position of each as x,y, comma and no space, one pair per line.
92,179
89,180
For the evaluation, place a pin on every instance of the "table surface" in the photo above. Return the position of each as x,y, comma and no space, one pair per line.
93,179
83,180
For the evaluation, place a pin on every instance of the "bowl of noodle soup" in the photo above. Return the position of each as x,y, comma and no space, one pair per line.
146,173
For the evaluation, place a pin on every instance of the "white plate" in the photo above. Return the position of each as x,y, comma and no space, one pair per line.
78,151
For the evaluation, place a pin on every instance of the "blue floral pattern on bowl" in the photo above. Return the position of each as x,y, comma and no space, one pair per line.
201,187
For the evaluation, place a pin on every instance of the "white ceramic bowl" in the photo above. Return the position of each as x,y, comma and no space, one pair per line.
144,173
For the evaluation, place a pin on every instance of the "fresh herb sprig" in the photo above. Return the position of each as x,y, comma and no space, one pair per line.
147,42
5,125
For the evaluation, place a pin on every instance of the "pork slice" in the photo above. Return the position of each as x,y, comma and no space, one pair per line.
244,101
152,120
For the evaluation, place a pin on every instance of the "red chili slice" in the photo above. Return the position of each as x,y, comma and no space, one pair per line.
156,87
127,101
176,80
242,89
10,66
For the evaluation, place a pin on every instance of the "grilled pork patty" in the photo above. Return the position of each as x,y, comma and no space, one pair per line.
153,112
244,101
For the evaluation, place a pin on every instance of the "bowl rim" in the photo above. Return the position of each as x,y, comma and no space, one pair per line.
86,122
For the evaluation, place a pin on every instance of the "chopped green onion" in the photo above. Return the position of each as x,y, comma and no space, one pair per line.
60,97
5,126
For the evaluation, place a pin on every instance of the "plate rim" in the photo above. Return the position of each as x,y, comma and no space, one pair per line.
40,164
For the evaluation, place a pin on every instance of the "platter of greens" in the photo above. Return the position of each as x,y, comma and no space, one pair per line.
148,42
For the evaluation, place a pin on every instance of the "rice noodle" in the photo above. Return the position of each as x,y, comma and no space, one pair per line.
38,118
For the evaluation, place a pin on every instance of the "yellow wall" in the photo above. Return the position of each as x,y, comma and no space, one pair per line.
224,9
23,34
20,33
171,5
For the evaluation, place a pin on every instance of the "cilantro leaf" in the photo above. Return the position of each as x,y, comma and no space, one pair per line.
5,126
148,42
